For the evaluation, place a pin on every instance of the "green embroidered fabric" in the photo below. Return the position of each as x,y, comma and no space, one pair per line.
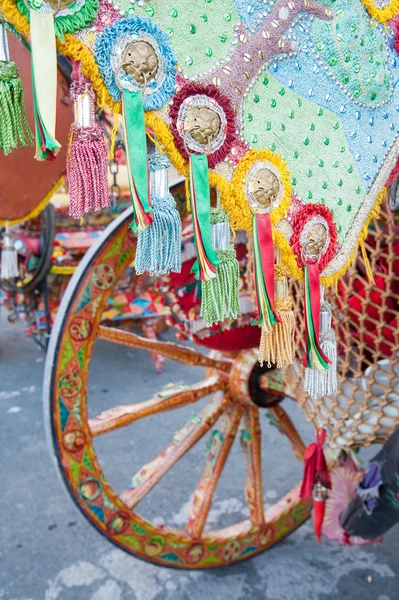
312,141
201,33
354,54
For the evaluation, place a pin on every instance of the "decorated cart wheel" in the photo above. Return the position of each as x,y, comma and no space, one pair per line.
237,387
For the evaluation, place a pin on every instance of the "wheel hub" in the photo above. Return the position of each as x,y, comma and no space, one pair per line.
252,383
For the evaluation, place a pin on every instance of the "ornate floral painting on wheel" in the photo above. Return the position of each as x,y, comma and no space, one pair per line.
288,108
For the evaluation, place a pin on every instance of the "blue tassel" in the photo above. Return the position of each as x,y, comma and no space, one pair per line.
159,246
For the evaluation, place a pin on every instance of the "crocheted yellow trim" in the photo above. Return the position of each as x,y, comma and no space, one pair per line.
382,14
38,208
239,206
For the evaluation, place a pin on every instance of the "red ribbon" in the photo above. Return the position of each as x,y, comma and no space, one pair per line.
266,249
314,289
319,510
316,469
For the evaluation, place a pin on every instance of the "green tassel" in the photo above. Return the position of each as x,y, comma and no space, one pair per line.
220,295
220,299
14,128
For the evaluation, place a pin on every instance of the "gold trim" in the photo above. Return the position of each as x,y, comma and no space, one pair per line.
382,14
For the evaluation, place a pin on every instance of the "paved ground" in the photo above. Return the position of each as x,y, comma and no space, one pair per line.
49,552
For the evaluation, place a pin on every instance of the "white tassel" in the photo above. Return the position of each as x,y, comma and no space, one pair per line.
9,257
324,383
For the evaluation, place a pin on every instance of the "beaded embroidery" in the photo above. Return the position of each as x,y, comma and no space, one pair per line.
280,69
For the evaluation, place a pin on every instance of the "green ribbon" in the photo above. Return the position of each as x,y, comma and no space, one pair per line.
44,82
315,359
201,205
136,153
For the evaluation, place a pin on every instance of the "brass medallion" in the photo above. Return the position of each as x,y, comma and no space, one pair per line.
203,123
316,239
63,4
264,188
140,61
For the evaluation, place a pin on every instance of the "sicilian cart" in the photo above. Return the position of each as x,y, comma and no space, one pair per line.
283,282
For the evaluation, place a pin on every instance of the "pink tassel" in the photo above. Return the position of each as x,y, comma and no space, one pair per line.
87,161
87,171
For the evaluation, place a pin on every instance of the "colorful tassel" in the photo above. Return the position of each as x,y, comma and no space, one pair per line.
220,295
205,267
9,257
136,157
314,356
159,245
262,239
324,383
14,128
44,82
316,480
87,160
277,345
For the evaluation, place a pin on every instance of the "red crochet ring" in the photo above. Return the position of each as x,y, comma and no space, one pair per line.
195,89
302,217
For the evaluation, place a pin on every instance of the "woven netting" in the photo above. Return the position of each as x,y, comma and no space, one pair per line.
366,409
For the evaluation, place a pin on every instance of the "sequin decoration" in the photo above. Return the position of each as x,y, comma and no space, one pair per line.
111,46
354,52
202,34
306,138
253,12
369,135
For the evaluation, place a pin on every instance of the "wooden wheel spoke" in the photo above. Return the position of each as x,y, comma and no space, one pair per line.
168,399
184,439
221,443
170,350
251,445
287,427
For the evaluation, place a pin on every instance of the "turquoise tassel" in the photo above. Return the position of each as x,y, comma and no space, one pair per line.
159,245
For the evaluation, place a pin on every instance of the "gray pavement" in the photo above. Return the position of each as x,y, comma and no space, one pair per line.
48,551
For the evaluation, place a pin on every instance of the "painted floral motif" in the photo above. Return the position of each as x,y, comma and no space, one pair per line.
70,385
80,329
103,276
154,545
232,551
74,441
195,554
